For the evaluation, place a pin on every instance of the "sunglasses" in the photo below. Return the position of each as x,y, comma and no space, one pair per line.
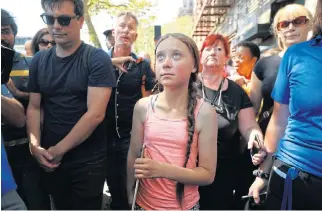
296,22
63,20
43,42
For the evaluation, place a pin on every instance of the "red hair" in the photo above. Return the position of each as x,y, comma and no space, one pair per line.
214,39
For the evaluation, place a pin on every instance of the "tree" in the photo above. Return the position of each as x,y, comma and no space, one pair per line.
143,9
181,25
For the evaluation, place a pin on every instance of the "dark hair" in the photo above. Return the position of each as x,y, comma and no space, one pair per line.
254,49
192,98
317,21
78,5
36,39
7,19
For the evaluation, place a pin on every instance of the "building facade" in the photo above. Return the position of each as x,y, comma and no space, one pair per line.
240,20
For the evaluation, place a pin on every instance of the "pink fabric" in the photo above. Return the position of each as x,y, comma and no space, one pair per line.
165,140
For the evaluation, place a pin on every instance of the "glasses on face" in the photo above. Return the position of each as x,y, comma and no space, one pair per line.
63,20
296,22
6,32
43,42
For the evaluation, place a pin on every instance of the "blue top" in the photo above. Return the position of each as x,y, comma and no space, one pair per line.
7,180
298,84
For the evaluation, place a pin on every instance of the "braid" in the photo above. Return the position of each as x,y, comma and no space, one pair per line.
157,88
192,102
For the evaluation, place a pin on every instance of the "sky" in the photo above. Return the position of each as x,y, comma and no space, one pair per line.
27,13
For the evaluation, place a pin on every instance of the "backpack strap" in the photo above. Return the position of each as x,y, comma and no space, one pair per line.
87,56
44,56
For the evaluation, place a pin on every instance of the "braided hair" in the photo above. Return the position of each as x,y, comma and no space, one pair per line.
192,99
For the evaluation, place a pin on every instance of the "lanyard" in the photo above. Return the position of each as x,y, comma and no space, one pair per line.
212,102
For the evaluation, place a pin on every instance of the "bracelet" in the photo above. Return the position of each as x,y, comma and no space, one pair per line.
261,174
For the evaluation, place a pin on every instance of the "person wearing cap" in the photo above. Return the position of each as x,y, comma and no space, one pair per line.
110,39
24,168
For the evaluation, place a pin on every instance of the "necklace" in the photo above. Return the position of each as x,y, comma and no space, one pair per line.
214,100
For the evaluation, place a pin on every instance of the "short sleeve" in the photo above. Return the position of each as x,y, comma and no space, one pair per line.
149,81
281,90
101,73
33,85
259,69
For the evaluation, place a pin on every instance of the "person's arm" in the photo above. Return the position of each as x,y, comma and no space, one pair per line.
278,122
204,174
97,100
16,92
247,124
33,129
119,61
33,118
137,134
256,92
275,131
12,112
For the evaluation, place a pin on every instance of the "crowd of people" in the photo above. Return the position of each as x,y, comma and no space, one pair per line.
187,133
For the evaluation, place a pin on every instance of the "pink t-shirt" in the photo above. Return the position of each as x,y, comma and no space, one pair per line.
166,140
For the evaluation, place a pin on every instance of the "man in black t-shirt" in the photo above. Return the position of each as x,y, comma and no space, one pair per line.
131,83
71,146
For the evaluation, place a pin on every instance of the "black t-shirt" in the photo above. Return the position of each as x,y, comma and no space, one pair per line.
124,97
63,84
228,106
266,70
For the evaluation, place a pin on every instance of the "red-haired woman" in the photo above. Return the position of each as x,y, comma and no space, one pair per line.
234,114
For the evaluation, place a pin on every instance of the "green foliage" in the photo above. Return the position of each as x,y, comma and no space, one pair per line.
180,25
143,9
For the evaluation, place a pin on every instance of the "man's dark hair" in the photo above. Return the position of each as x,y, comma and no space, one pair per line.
79,5
108,32
7,19
254,49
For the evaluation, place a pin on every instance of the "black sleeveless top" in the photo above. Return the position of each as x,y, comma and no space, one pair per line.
227,104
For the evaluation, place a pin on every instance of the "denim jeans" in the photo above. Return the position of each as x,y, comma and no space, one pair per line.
77,187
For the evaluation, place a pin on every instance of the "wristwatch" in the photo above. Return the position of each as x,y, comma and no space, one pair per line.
261,174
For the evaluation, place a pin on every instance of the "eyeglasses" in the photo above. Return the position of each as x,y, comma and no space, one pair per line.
63,20
296,22
6,32
43,42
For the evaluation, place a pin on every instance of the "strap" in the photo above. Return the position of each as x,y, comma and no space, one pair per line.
198,107
87,56
287,200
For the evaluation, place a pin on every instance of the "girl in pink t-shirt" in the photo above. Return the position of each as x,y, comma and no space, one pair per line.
175,128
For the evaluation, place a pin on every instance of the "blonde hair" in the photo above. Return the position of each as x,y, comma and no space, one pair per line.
292,11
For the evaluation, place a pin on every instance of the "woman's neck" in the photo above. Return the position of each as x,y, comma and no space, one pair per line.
175,98
211,78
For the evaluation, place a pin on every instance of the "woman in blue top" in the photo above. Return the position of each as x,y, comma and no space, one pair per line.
295,129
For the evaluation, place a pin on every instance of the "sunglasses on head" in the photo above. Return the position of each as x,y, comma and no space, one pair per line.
63,20
296,22
43,42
